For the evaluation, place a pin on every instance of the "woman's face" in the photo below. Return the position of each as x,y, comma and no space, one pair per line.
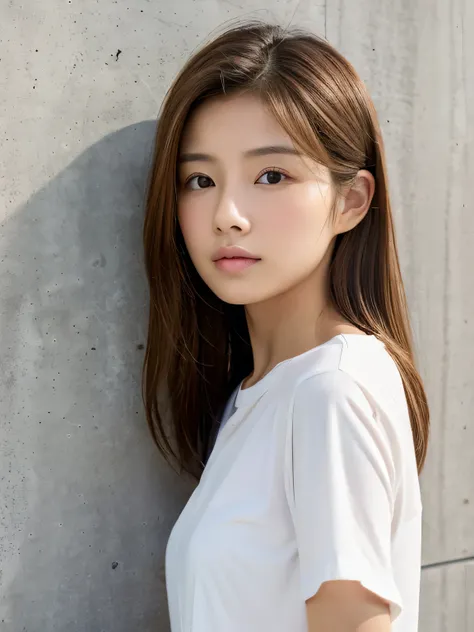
235,190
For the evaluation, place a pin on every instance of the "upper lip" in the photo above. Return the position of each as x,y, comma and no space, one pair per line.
229,252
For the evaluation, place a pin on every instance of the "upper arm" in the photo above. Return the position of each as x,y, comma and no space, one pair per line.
346,606
342,495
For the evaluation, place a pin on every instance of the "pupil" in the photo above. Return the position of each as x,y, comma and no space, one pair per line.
273,176
203,181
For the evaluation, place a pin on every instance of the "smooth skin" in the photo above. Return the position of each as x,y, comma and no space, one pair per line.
275,203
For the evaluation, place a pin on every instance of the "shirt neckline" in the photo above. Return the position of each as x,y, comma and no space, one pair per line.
247,396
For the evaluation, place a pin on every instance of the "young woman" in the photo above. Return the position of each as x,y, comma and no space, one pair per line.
279,334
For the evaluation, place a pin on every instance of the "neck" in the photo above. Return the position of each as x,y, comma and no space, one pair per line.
290,323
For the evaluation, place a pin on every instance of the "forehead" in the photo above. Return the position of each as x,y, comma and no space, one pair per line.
239,121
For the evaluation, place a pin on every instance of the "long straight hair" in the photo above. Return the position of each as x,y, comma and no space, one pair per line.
198,347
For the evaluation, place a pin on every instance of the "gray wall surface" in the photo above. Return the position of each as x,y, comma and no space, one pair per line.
86,502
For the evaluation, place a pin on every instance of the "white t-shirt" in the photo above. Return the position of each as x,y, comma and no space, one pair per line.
312,478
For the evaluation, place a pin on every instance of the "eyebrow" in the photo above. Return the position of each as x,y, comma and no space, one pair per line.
250,153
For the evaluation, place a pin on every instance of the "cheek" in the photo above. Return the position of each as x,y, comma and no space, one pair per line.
299,217
191,225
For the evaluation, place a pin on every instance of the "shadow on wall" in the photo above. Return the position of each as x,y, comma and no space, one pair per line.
87,503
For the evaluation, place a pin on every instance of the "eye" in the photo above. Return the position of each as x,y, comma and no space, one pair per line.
201,181
276,176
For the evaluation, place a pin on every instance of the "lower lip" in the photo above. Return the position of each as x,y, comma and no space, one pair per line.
236,264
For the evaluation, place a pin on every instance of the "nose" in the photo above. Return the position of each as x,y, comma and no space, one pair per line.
229,217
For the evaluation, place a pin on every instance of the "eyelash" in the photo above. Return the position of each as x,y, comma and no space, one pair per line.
277,169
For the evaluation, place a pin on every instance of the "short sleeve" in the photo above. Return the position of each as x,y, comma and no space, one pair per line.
341,485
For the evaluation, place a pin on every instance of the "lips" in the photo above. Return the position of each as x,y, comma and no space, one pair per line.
233,252
235,264
234,259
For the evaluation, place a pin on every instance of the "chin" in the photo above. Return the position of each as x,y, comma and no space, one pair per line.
242,295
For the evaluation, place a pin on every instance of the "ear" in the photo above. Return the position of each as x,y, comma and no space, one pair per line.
354,202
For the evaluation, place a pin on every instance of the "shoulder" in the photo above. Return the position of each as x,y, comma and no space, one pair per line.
348,367
329,388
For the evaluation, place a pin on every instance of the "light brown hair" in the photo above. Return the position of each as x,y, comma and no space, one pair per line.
198,347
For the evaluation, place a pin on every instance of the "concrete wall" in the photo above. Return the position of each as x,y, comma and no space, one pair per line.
86,503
